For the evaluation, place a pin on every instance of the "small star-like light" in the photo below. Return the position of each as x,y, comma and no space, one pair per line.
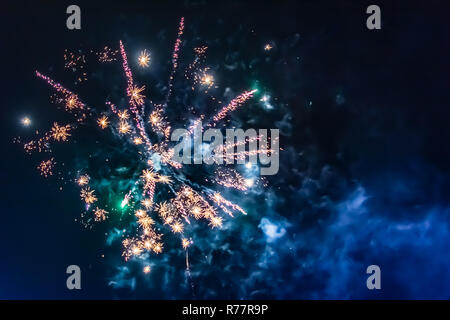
26,121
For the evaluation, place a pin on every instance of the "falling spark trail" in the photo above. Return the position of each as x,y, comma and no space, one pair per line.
58,87
175,56
66,97
233,105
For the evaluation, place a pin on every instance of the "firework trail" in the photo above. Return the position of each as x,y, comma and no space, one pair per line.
75,62
233,105
134,93
107,55
46,167
70,100
175,55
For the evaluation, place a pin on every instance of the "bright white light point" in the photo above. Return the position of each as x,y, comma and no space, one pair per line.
267,47
249,182
26,121
146,269
264,98
248,165
207,79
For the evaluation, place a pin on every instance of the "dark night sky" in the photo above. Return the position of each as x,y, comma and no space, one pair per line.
364,176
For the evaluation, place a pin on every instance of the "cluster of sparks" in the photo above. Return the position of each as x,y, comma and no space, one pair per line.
204,79
76,62
45,167
67,98
107,55
233,105
60,133
231,179
190,201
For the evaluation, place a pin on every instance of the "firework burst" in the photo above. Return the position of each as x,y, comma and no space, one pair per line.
103,122
60,133
181,200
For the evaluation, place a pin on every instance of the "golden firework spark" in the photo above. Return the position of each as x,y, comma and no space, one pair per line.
147,203
83,180
159,122
124,127
136,95
168,220
71,102
148,174
146,269
164,179
204,79
157,248
103,122
145,221
60,133
207,80
88,195
216,222
197,212
177,227
100,214
137,251
46,167
154,119
144,59
138,141
148,243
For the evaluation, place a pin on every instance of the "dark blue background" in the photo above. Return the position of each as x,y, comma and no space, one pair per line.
364,178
